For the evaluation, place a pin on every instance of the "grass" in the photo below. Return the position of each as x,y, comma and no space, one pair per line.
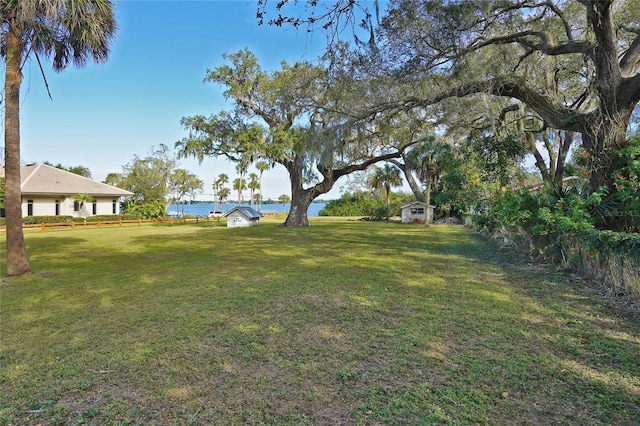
343,322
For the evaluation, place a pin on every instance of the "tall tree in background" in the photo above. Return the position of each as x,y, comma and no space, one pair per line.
316,146
68,32
253,185
426,158
219,184
262,167
149,178
239,184
284,199
523,50
590,49
77,170
223,195
183,183
385,177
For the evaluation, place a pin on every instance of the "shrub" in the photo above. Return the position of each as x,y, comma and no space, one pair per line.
105,218
32,220
146,210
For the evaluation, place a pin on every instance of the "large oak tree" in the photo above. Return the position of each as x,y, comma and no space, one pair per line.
588,49
285,117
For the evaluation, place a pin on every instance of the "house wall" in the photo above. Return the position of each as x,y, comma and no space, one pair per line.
46,206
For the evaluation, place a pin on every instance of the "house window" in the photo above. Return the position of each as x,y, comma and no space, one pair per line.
57,207
76,206
417,210
29,207
113,206
95,207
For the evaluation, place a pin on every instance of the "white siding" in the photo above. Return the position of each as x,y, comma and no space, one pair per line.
237,219
46,206
415,213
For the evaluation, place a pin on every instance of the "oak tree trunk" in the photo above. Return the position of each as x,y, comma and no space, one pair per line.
602,139
301,198
298,214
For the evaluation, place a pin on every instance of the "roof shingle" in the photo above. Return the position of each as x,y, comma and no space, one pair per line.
41,179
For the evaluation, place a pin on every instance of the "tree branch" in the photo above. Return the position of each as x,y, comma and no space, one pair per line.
630,61
551,112
628,93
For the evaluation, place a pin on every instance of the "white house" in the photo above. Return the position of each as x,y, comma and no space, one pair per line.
242,216
47,191
413,212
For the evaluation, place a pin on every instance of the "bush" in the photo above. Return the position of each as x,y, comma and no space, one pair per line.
33,220
146,210
105,218
559,226
359,203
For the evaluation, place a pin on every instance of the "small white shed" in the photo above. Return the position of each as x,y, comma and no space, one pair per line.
413,212
243,216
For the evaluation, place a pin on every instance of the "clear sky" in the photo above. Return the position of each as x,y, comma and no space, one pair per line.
102,115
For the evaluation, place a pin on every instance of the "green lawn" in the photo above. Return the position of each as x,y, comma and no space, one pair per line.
343,322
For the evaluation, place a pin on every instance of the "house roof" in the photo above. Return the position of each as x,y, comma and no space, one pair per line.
416,203
41,179
246,211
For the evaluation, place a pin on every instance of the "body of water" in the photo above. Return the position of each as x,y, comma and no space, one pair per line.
204,209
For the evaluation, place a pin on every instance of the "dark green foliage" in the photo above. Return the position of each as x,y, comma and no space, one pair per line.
105,218
35,220
78,170
561,225
627,181
498,158
31,220
457,193
362,203
145,209
359,203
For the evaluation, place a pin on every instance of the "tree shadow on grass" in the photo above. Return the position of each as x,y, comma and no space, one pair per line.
358,323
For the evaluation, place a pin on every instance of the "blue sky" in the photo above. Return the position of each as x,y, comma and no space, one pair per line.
103,115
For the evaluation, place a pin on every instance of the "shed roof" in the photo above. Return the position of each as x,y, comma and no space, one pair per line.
247,211
416,203
41,179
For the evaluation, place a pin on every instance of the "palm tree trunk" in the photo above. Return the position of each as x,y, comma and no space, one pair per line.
427,197
388,190
17,262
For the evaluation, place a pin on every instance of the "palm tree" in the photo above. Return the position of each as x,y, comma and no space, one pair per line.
68,32
216,187
222,179
426,159
223,194
284,199
385,177
253,185
240,185
241,168
262,167
81,198
218,184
